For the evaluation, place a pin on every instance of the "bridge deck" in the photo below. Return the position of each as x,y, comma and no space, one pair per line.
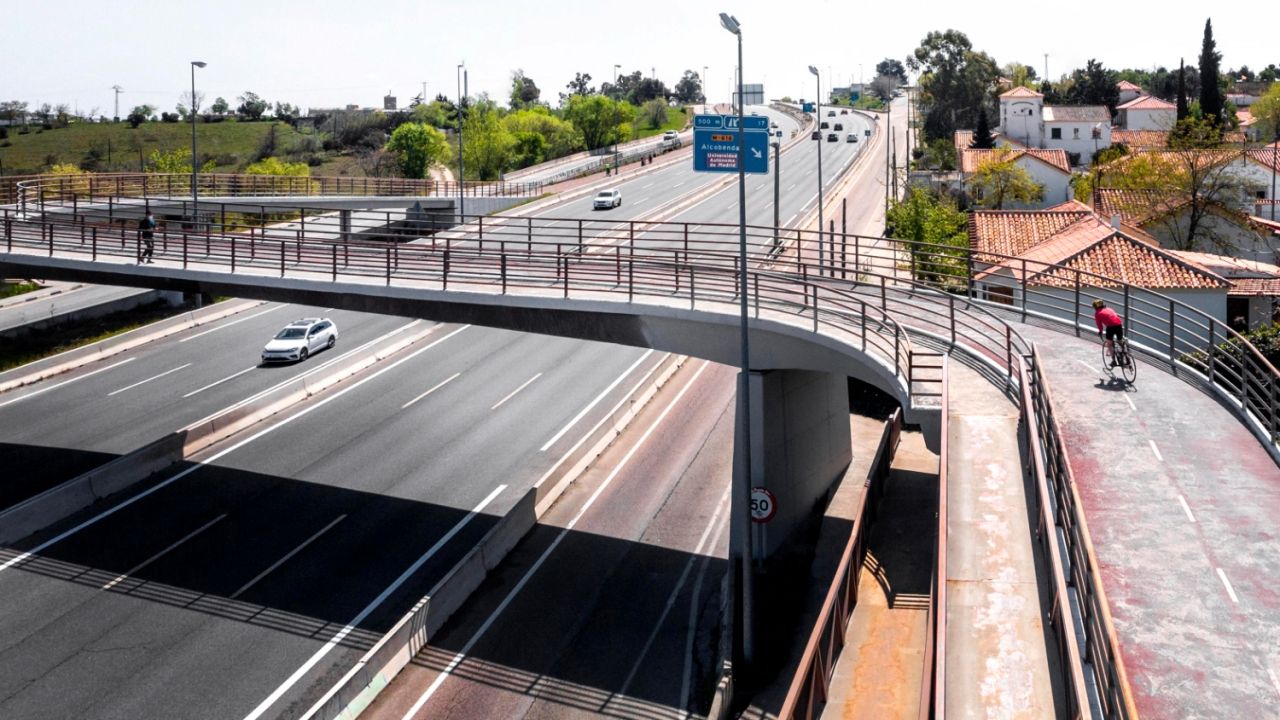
1181,499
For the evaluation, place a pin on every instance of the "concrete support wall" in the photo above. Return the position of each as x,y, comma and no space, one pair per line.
800,445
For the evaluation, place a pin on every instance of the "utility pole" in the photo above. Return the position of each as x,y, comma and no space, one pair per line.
424,92
705,86
461,164
888,152
118,90
1046,67
777,179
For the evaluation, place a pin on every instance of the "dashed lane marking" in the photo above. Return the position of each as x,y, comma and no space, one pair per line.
434,388
144,382
516,391
1227,584
1186,508
1156,450
138,568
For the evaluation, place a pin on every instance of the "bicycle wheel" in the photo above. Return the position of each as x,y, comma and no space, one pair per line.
1106,360
1128,367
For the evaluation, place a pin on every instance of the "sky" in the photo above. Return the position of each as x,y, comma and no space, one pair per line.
326,53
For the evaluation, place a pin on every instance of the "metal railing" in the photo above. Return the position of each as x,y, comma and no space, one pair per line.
933,683
809,687
1064,535
91,186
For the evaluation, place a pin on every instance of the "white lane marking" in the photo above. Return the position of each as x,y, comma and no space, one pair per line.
437,386
213,458
686,678
219,382
1156,450
676,185
1186,508
1275,681
514,392
1087,365
594,402
138,568
66,382
792,186
337,638
1227,584
793,219
1130,401
144,382
671,599
233,322
285,559
471,643
319,368
646,187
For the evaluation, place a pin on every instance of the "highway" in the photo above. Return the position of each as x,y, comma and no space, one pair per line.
245,586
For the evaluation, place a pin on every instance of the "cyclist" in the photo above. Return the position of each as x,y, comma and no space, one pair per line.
1110,326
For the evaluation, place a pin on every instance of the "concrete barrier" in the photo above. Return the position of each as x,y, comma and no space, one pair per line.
80,492
396,649
81,356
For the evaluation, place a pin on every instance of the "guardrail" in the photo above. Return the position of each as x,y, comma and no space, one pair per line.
14,189
1074,565
933,681
808,691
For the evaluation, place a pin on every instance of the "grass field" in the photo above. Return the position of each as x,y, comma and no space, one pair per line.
230,144
676,120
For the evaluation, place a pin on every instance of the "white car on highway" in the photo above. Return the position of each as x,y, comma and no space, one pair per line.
299,339
606,199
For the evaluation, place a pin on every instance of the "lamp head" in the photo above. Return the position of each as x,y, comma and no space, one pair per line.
730,23
813,70
199,63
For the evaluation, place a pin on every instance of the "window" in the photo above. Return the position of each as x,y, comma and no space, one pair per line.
1260,194
1000,294
1075,133
1055,134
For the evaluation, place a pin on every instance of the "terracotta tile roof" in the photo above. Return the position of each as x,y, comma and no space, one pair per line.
1135,207
1126,85
1091,246
1255,287
1148,102
1266,223
1140,139
1231,268
1267,157
964,138
1077,113
1012,232
1019,92
1245,118
971,158
1069,205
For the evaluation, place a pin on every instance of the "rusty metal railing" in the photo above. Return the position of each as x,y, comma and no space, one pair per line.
808,691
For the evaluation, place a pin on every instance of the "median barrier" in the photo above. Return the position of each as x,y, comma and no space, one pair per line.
397,648
81,356
80,492
72,496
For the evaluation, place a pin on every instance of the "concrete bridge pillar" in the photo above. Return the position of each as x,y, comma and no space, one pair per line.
800,445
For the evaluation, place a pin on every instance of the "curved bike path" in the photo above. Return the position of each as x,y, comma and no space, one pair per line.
1182,502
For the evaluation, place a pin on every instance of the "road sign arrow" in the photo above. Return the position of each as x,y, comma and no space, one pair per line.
756,153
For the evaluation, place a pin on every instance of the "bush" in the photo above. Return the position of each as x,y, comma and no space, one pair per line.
4,133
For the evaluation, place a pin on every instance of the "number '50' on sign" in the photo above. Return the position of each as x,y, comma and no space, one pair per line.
763,505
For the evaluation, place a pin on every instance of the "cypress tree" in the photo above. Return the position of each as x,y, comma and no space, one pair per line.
1210,90
1182,90
982,137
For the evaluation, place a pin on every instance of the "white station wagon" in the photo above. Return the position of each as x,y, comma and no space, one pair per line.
299,339
606,199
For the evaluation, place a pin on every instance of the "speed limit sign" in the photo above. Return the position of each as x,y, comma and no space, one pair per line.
763,505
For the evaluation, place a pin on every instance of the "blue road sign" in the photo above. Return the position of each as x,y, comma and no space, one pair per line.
807,107
716,138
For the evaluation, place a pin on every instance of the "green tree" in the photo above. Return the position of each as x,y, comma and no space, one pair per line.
598,118
13,111
1093,85
252,107
527,148
559,136
689,89
174,161
937,231
139,115
1267,111
890,67
1020,75
982,137
286,112
581,84
999,179
524,91
219,107
654,113
417,146
1210,91
954,82
486,143
276,166
1182,91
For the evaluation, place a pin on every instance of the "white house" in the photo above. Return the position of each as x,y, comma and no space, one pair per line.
1255,287
1148,113
1080,130
1222,229
1049,168
1128,91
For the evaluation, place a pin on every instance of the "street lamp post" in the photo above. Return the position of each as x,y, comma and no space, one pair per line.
616,163
821,139
195,190
462,167
742,455
705,86
777,179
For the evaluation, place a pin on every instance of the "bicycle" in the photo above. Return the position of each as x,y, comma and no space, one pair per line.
1117,355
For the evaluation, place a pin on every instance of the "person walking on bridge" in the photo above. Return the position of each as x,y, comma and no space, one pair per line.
1110,326
146,230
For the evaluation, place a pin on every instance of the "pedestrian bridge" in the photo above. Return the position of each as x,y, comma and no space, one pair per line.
823,307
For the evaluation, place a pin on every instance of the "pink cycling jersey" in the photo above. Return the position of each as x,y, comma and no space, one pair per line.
1105,317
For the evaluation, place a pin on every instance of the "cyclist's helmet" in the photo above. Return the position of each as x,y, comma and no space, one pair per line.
1097,303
